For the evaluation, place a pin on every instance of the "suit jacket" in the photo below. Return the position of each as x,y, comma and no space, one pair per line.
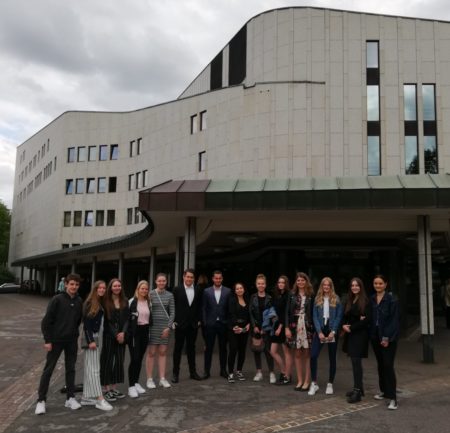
186,316
213,311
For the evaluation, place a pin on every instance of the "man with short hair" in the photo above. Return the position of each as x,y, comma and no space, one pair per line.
187,320
215,321
60,328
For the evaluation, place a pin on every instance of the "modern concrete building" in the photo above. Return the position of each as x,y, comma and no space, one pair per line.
316,140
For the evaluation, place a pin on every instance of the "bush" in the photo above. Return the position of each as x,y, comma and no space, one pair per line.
6,276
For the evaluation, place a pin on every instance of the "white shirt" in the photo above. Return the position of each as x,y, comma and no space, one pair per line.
326,309
190,294
217,293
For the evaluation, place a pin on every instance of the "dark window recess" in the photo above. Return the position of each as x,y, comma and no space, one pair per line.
238,57
110,217
429,127
373,128
112,184
373,76
411,127
216,72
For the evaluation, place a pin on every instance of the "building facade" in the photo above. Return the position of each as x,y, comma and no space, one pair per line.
316,140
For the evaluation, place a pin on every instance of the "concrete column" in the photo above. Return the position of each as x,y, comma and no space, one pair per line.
178,264
57,277
120,270
73,269
21,274
94,270
44,279
425,287
152,270
190,243
30,273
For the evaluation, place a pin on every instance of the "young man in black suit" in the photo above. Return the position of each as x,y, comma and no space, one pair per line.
215,321
187,321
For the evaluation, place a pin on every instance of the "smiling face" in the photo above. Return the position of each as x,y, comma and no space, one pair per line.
281,284
116,288
72,287
379,285
217,280
239,289
301,283
326,287
188,279
101,290
261,285
355,287
161,282
143,291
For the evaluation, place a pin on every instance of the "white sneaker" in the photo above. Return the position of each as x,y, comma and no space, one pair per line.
103,405
313,388
272,378
88,401
379,396
393,405
258,377
72,404
139,388
151,384
132,392
164,383
40,408
329,389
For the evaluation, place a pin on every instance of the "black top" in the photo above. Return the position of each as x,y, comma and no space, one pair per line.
118,322
239,315
91,324
280,304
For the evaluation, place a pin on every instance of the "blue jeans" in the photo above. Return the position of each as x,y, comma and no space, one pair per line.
315,352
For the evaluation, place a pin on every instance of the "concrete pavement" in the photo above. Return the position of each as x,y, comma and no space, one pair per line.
214,405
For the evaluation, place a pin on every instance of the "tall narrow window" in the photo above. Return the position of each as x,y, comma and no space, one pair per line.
100,218
110,217
194,126
103,155
70,154
81,154
203,119
411,142
202,161
145,178
132,144
112,184
136,215
67,218
92,153
430,129
101,184
130,182
114,153
69,186
130,215
90,185
138,180
373,109
77,218
139,146
89,218
79,187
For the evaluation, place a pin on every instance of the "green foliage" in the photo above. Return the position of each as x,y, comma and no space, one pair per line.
5,275
5,222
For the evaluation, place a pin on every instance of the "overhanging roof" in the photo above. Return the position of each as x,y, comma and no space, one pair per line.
315,193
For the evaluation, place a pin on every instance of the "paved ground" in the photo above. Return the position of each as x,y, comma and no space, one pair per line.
214,405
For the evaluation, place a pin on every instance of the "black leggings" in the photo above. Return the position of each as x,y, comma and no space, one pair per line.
137,346
269,359
357,374
238,346
385,362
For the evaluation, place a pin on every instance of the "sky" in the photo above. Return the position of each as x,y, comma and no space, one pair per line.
121,55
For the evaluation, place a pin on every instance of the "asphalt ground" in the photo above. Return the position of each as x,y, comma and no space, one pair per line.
215,405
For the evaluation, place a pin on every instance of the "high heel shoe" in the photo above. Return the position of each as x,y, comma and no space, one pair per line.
298,387
305,388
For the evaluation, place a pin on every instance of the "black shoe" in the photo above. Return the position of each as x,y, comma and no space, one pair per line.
224,374
355,396
195,376
349,393
175,378
206,376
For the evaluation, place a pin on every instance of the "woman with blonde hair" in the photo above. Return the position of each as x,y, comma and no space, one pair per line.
140,320
327,317
299,327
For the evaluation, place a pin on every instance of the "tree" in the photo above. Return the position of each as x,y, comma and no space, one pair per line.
5,224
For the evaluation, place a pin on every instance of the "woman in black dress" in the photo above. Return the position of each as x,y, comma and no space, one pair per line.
357,318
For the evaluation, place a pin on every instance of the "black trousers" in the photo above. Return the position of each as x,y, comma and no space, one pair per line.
237,346
189,335
137,347
357,374
220,331
385,362
70,349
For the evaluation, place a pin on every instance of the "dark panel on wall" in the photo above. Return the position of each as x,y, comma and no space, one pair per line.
411,127
373,76
373,128
216,72
238,57
429,127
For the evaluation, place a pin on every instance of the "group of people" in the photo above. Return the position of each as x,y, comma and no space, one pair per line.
290,327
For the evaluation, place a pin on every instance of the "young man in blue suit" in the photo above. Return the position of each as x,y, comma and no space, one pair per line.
215,321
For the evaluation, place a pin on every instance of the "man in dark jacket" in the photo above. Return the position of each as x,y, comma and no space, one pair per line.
60,330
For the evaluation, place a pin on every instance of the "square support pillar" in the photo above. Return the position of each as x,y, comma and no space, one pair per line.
152,270
190,243
178,263
120,269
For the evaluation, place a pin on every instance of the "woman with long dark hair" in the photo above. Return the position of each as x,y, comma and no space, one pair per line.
299,328
114,339
239,325
384,334
356,322
280,299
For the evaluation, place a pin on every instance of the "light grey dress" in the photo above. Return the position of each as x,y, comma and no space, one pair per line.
160,320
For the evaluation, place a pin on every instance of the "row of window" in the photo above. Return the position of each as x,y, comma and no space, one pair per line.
88,220
36,157
135,147
134,216
137,180
37,181
92,153
91,185
24,173
198,122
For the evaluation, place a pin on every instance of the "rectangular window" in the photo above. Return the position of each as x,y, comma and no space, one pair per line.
145,178
203,119
34,160
101,184
89,218
100,218
237,57
431,155
138,180
79,189
411,155
373,103
67,218
70,154
90,185
430,145
373,109
215,81
77,218
411,142
64,246
130,182
139,146
130,215
372,54
112,184
136,215
202,161
373,168
132,143
429,104
114,152
81,154
194,126
69,186
55,163
410,102
92,154
110,217
103,156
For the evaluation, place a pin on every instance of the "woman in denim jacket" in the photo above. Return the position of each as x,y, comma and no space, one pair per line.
384,333
327,317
